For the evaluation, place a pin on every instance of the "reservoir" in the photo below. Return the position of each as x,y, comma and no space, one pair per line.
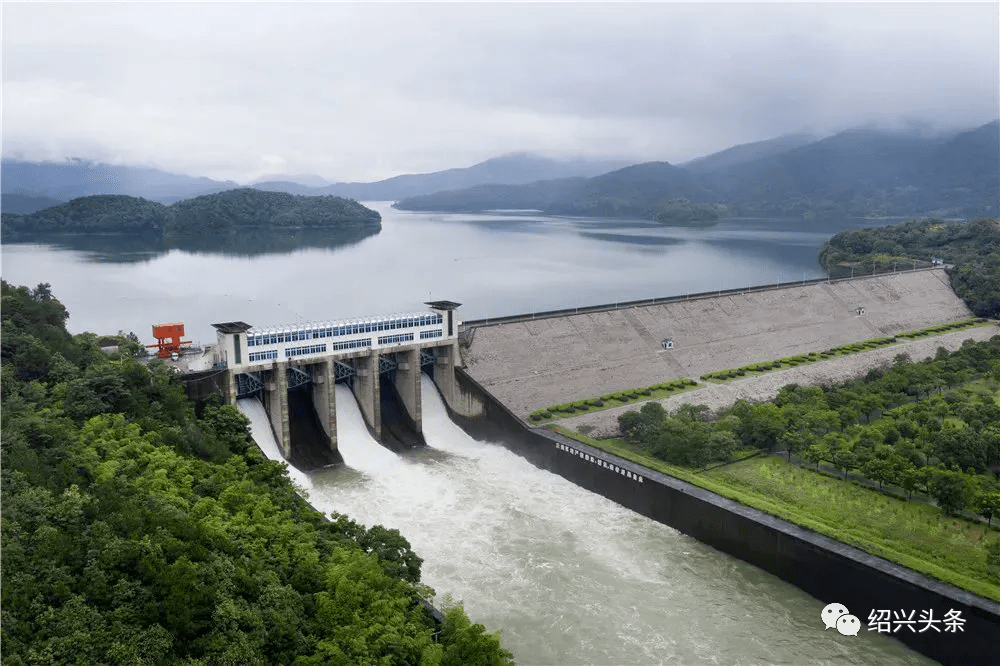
567,576
493,264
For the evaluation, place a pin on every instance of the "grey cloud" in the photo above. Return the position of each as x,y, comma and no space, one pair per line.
366,91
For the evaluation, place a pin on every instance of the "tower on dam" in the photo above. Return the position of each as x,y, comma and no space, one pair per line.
295,367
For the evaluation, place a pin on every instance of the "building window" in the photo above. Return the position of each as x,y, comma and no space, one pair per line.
393,339
352,344
304,351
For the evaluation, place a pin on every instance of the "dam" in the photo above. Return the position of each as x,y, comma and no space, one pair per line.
533,363
552,356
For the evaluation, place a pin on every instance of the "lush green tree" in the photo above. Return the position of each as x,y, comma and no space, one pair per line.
987,505
760,425
950,489
880,470
135,530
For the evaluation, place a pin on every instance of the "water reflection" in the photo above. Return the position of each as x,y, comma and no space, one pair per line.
129,248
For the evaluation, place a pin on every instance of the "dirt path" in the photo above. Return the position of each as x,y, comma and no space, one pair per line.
766,386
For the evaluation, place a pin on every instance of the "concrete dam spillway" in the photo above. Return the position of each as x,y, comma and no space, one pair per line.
574,355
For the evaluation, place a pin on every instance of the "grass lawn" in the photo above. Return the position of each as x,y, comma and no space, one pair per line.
912,534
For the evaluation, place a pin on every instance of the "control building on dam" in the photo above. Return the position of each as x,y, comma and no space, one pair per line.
293,370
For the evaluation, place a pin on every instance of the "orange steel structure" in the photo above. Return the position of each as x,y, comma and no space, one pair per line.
168,339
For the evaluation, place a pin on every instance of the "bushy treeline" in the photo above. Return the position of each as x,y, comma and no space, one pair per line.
137,530
224,212
916,426
669,211
973,248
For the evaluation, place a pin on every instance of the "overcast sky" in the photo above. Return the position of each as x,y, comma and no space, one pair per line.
367,91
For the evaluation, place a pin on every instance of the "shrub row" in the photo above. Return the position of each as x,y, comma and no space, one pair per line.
942,328
622,397
866,345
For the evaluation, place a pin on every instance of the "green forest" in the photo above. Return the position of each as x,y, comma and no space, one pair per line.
139,528
212,214
919,431
933,425
971,248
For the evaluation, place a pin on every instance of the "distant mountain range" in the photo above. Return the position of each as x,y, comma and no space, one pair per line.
61,181
514,169
856,173
71,179
747,152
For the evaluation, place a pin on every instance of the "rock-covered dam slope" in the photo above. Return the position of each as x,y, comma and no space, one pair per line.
534,364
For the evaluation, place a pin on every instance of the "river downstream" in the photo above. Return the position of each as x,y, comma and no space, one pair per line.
567,576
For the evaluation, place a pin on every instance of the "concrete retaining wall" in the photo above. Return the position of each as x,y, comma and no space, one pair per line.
827,569
533,364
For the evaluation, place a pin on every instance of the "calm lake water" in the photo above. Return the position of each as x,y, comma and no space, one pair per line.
493,264
567,576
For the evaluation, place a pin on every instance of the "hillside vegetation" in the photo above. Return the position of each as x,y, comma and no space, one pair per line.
138,530
921,432
224,212
856,173
973,250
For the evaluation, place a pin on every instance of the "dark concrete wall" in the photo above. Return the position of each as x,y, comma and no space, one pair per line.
309,443
199,386
829,570
398,431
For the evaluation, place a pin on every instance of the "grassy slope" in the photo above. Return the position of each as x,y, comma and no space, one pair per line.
912,534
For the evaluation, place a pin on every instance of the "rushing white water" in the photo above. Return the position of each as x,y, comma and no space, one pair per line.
356,445
567,576
260,428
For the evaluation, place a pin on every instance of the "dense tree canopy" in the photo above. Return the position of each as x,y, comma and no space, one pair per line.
136,530
932,426
972,248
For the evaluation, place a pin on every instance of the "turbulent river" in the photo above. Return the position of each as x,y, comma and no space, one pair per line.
567,576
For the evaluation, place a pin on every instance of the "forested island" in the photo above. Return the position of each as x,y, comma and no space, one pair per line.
972,249
237,210
139,528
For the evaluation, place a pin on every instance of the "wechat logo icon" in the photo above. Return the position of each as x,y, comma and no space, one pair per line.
836,616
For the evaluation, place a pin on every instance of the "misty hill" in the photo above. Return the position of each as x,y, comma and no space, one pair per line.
871,173
72,179
305,180
225,212
24,204
856,173
748,152
514,169
654,190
